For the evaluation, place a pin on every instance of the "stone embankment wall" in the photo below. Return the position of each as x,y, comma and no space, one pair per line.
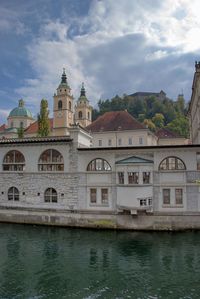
101,220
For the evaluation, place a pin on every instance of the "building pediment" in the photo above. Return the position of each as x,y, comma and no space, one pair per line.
134,160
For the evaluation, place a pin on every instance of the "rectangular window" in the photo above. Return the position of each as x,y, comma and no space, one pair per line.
104,196
143,202
179,196
140,140
130,142
146,177
93,195
100,142
121,177
150,201
119,141
133,177
166,196
109,142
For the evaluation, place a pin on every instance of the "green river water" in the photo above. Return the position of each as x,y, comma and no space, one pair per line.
45,262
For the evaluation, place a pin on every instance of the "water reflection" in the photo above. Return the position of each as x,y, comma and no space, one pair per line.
13,269
42,262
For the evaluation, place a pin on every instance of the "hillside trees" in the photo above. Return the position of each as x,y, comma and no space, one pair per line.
154,112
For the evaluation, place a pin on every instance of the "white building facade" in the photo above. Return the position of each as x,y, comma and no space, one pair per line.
129,184
57,181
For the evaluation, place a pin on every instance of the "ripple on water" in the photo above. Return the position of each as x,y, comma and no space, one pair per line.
44,262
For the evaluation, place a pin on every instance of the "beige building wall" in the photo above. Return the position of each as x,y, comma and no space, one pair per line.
172,141
15,122
123,138
83,114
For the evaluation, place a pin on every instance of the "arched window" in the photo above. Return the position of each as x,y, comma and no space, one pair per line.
13,194
21,124
14,161
172,163
70,105
80,114
50,195
51,160
88,115
59,105
98,165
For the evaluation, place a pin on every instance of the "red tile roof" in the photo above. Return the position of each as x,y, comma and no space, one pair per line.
33,128
2,128
166,133
115,121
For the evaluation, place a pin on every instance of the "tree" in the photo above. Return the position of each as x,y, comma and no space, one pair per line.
180,104
180,125
148,123
20,132
43,119
158,120
141,117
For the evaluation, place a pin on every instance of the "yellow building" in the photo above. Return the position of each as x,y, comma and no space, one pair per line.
63,114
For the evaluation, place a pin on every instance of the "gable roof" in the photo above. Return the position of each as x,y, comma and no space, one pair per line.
134,160
33,128
166,133
115,121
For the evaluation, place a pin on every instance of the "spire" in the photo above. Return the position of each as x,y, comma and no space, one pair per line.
82,90
83,97
64,82
64,77
21,103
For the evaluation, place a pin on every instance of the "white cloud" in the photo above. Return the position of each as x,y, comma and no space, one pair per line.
109,56
10,20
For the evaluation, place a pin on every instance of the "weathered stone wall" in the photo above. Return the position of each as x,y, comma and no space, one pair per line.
32,186
101,220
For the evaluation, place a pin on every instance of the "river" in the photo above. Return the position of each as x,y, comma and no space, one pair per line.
46,262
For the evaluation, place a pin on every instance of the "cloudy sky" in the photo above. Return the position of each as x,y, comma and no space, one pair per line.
114,46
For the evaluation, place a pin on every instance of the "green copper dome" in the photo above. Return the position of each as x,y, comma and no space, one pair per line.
20,111
83,97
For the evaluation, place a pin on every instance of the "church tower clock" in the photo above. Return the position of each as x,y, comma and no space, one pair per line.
63,115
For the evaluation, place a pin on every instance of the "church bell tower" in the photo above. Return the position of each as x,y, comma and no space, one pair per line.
83,110
63,115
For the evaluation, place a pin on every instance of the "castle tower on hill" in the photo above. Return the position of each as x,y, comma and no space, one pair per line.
83,110
63,114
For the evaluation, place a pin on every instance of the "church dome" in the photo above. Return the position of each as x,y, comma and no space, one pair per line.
20,111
